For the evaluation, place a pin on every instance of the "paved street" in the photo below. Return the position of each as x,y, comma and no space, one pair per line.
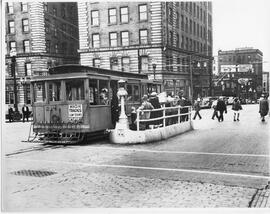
218,164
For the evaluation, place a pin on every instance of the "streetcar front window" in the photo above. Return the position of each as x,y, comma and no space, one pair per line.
54,91
39,92
75,89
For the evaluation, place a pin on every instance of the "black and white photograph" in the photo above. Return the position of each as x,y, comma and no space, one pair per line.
135,106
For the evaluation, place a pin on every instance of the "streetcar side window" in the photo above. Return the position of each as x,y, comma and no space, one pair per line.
133,93
39,92
75,89
54,91
98,92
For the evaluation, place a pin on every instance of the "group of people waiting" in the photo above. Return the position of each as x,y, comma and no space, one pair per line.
152,102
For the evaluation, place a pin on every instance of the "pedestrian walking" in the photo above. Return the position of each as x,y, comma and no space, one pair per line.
25,112
197,109
236,107
263,107
221,107
10,114
214,106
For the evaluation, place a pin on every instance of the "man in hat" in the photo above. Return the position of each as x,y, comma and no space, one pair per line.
145,115
221,107
263,107
155,103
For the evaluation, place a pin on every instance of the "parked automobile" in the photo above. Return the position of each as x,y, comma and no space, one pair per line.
229,100
207,102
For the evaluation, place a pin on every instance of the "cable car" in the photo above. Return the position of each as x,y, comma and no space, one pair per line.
75,103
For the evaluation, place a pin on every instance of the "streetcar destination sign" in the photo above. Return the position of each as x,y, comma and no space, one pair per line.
75,111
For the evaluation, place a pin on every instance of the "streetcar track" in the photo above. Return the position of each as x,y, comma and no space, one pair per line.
40,148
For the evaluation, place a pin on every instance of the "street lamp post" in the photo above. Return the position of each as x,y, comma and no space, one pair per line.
23,82
191,79
17,115
154,64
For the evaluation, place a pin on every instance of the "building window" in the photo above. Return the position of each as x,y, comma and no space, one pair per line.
177,41
47,26
113,39
182,42
56,48
95,17
190,26
64,48
9,95
186,25
143,12
171,38
95,40
177,20
112,16
54,11
96,62
25,24
170,15
28,69
125,64
125,38
24,7
124,14
26,46
63,10
10,7
144,64
55,31
143,37
12,46
114,63
45,4
182,22
11,27
48,46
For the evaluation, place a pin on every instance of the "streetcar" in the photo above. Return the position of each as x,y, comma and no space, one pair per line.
74,103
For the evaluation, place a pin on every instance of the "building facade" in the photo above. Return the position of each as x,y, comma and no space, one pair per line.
169,41
239,73
38,35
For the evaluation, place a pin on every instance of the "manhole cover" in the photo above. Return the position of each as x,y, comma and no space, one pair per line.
35,173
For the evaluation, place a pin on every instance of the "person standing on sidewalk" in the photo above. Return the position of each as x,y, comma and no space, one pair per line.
10,114
197,109
214,106
264,107
236,106
25,112
221,107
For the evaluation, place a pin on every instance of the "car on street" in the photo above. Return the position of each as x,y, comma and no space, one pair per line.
207,102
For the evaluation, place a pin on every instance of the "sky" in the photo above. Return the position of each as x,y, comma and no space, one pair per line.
242,23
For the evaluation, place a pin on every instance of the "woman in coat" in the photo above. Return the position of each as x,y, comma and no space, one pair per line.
236,106
264,107
221,107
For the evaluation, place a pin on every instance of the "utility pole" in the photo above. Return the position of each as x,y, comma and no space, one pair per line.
191,79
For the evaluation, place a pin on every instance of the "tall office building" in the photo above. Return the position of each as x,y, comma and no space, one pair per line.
240,72
169,41
38,35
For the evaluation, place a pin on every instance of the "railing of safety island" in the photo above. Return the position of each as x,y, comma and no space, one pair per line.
170,116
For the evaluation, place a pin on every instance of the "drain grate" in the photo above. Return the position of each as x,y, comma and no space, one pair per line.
34,173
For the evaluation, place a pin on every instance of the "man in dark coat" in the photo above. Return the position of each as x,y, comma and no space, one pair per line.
221,107
10,114
155,103
114,108
264,107
25,112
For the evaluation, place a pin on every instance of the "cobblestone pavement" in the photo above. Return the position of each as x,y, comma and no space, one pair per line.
82,182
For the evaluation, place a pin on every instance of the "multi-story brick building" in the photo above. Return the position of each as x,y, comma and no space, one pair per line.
166,40
42,35
240,72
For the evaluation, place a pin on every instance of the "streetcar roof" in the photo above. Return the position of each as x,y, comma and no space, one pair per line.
70,71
